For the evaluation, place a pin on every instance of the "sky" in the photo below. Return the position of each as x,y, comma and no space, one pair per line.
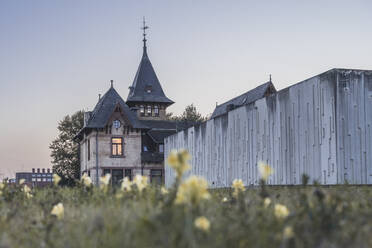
57,56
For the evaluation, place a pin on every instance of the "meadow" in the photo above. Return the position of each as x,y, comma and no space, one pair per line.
185,215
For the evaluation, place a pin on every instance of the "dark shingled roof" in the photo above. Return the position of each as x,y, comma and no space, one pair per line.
106,106
146,79
244,99
158,136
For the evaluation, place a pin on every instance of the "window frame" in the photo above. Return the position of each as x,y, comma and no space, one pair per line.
156,110
117,144
88,149
148,110
142,110
161,150
161,175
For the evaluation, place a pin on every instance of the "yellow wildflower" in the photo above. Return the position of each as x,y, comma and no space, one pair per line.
288,232
281,211
179,161
202,223
265,170
140,182
238,186
27,191
192,190
105,180
126,184
56,179
58,211
267,202
163,190
86,180
22,181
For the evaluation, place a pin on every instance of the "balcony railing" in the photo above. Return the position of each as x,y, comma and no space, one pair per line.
152,157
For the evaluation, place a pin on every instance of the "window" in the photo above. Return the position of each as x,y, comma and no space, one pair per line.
117,146
149,110
88,149
117,176
106,171
39,179
128,173
156,110
148,88
156,176
145,149
33,179
142,110
116,124
161,148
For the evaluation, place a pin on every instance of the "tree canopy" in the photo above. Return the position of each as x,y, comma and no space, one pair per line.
190,114
64,151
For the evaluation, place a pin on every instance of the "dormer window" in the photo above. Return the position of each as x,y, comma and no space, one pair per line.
142,110
148,88
116,124
156,110
149,110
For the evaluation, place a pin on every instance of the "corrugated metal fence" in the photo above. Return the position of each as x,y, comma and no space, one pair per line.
320,127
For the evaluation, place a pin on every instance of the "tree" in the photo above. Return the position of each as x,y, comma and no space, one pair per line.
64,151
190,114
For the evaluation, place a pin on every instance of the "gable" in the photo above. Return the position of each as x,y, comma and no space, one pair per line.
259,92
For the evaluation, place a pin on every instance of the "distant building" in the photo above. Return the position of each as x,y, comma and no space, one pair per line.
38,177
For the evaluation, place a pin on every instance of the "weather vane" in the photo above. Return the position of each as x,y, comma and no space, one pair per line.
144,32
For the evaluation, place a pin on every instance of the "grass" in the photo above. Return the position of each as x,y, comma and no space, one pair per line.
338,216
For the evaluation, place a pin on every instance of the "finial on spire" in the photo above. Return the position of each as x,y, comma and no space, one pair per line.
270,78
144,34
112,83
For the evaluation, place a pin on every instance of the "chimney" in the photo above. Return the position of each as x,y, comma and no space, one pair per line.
38,170
112,83
48,170
43,170
99,97
33,170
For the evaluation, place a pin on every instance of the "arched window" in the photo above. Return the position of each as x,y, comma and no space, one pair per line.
149,110
142,110
156,110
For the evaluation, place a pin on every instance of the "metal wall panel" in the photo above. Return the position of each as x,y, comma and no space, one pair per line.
320,127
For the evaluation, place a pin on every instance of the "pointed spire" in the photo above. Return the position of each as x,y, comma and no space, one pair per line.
144,36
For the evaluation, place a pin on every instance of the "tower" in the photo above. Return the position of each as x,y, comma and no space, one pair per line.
146,93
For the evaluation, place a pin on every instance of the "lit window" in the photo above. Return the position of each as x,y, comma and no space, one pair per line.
117,147
145,149
149,110
33,179
161,148
156,110
39,179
